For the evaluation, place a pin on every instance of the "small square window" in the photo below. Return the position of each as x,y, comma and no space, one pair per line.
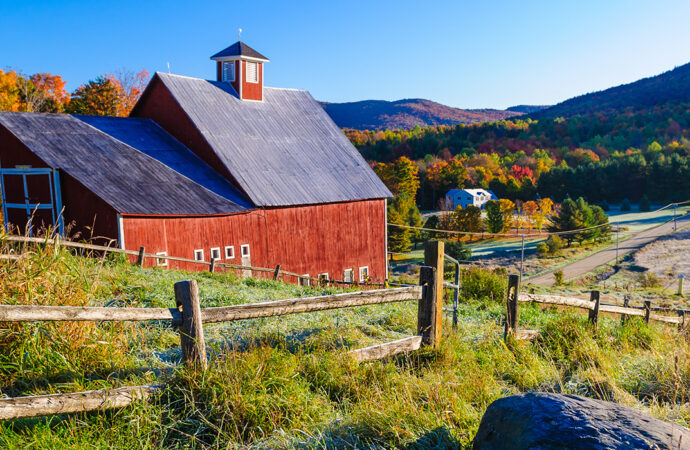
228,71
304,281
363,274
161,262
348,276
230,252
244,248
199,255
215,253
323,278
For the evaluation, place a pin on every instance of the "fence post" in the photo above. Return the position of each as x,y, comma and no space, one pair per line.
594,313
647,310
626,303
191,330
140,258
276,273
433,257
456,295
428,316
212,268
512,305
681,324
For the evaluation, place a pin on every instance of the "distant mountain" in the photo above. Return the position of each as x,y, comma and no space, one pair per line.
670,87
527,109
381,114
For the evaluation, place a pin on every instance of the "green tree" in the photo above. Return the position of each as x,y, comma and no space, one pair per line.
467,220
568,218
494,217
644,203
398,238
99,97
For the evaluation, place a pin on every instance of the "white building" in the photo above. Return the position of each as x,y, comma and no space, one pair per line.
466,197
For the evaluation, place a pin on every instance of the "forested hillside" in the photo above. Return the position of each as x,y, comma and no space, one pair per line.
600,156
384,115
672,87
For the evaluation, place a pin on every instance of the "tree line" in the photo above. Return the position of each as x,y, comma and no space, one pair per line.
110,94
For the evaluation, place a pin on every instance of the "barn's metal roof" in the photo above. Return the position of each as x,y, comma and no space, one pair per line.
149,138
239,49
127,179
282,151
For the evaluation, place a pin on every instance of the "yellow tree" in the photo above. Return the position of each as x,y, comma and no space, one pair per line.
10,99
545,208
508,210
129,87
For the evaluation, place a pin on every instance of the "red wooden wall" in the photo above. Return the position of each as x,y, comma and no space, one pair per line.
252,91
307,239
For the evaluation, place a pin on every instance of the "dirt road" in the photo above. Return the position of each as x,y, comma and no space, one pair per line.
581,267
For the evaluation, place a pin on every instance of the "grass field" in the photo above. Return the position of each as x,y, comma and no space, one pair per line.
287,383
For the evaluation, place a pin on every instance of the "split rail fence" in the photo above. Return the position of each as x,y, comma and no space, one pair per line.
593,306
189,317
141,257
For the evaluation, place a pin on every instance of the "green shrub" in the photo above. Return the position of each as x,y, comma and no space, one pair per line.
552,246
458,250
483,284
625,205
644,203
555,244
649,280
558,275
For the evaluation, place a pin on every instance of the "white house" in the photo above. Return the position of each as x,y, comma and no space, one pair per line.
466,197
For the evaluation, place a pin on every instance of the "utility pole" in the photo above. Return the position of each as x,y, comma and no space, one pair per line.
618,229
674,217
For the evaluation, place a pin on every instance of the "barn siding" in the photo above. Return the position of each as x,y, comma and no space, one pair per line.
308,239
252,91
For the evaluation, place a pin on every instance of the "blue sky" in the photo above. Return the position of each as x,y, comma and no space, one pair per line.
469,54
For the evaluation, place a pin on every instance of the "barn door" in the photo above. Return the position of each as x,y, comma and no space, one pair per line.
31,200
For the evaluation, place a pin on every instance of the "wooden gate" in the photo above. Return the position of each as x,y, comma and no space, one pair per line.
31,200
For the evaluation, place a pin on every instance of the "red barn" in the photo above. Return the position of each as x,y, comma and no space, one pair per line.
226,169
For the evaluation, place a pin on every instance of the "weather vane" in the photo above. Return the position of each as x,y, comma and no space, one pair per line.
239,34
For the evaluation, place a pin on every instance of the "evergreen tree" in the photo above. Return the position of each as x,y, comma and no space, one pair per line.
398,238
494,217
644,203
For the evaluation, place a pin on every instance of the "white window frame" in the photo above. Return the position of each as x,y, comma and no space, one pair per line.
230,252
352,275
303,280
256,72
217,251
363,269
199,252
230,73
161,262
242,248
324,276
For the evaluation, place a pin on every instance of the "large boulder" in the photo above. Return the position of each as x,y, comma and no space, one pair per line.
550,421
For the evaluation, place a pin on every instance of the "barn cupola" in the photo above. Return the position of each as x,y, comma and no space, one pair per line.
242,66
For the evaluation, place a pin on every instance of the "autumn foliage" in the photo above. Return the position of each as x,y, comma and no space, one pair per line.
112,94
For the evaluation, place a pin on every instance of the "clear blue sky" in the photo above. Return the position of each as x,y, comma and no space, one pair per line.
469,54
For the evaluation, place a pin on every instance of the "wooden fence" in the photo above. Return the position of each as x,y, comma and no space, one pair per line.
593,306
141,257
189,317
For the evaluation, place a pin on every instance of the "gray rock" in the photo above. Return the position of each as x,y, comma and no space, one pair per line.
554,421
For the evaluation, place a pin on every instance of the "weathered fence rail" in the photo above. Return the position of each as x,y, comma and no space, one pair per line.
190,318
43,405
593,306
